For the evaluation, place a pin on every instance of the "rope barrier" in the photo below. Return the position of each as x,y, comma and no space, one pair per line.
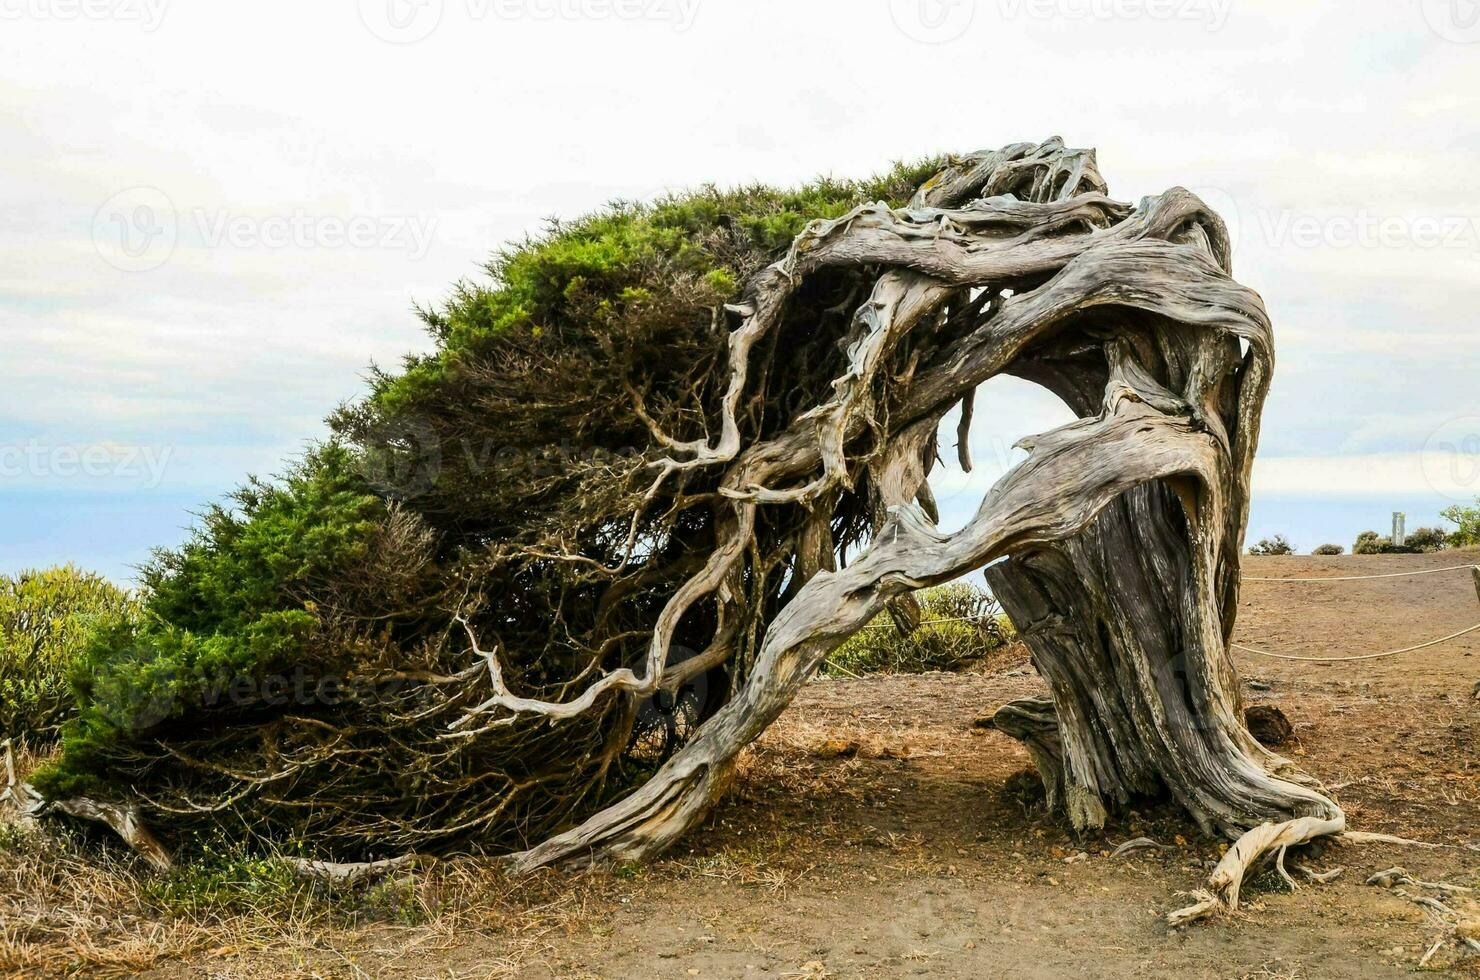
1285,656
1361,578
1370,656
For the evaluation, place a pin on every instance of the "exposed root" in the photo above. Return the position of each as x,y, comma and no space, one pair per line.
1358,837
123,820
1395,877
1319,877
1222,893
1279,865
344,874
1139,844
1465,934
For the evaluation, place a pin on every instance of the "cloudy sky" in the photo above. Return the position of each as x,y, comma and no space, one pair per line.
214,216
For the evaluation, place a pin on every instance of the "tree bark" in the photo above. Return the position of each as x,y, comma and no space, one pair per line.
1117,541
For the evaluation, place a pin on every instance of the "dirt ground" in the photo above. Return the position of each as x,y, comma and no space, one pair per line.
927,852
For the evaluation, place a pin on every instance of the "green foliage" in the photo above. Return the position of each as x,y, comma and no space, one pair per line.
1425,540
224,880
1467,524
1329,550
463,485
231,605
248,560
545,353
611,261
976,628
45,620
1277,545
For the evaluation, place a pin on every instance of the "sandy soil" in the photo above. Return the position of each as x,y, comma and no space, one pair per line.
928,852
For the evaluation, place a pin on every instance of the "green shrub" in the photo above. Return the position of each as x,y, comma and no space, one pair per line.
233,605
1329,549
46,618
1427,540
462,485
1467,525
1423,541
225,880
1276,545
974,627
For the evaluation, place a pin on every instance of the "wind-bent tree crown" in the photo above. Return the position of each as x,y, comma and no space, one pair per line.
694,437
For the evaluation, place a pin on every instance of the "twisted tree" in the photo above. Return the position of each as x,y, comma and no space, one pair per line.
691,441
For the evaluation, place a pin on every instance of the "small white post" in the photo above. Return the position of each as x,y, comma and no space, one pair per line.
1400,528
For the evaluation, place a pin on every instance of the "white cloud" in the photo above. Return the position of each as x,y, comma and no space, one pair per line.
1454,475
490,124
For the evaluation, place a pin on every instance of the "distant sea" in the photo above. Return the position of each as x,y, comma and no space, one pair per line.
111,533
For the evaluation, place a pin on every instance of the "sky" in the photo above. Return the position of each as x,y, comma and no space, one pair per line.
214,217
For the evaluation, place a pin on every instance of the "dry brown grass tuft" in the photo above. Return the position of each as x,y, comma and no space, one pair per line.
73,907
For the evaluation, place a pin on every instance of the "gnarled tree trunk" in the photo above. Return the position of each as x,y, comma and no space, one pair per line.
1116,543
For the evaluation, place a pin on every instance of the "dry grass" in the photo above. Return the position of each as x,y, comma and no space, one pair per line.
75,904
73,907
66,913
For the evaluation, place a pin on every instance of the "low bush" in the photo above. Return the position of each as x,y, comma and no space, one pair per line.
45,620
959,624
302,656
1329,550
1277,545
1467,525
1425,540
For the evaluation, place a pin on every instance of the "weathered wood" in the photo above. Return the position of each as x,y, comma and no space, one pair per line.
1114,545
1121,532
